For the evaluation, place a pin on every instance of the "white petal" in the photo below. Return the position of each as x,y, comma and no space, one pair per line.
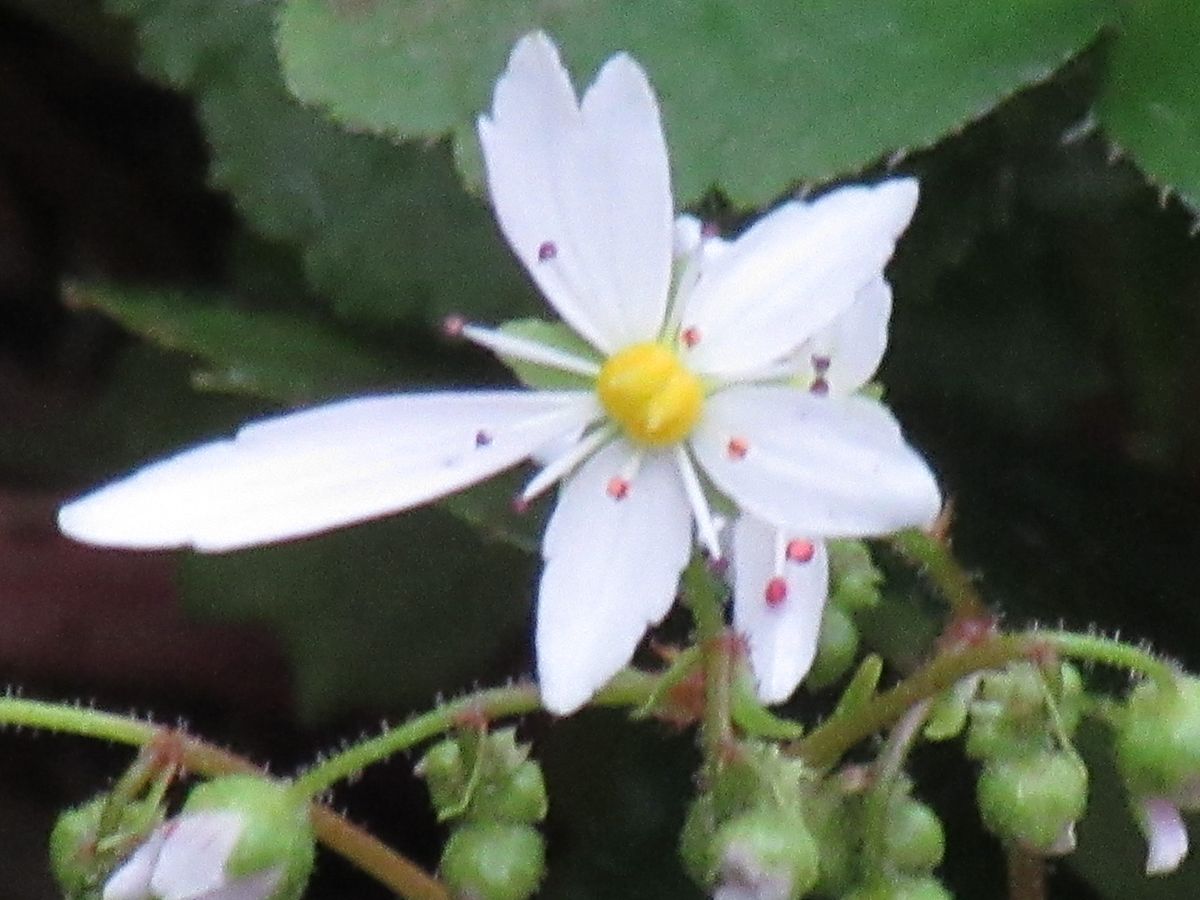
793,273
259,886
853,344
612,569
131,881
583,195
1166,835
825,466
311,471
783,637
195,853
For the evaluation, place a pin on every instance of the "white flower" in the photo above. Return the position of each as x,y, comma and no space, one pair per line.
689,390
185,859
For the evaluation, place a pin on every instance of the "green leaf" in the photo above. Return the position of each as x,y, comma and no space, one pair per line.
1151,102
272,355
756,96
385,614
386,231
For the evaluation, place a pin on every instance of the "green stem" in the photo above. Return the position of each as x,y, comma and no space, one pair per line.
1110,652
825,745
933,556
704,594
628,688
389,868
887,770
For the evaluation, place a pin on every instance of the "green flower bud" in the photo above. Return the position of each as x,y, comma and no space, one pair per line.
767,849
275,830
1034,800
837,648
81,857
696,840
494,861
854,579
1158,741
914,841
1015,712
446,777
520,797
900,889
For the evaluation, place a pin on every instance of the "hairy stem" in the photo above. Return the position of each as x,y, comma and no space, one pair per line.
933,556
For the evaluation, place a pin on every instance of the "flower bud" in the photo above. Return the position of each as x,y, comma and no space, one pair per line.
1158,742
1034,800
239,835
696,840
913,841
445,776
854,579
494,861
518,797
81,856
926,888
1021,710
767,852
837,648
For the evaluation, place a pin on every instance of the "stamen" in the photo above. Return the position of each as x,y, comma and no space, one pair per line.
776,592
520,505
482,438
705,524
819,386
563,464
618,487
452,326
530,351
800,551
710,230
737,448
820,363
547,250
691,336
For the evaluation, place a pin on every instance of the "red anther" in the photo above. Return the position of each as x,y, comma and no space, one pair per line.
618,487
776,592
691,336
718,566
452,326
482,438
800,550
710,230
737,448
820,364
819,386
547,250
520,505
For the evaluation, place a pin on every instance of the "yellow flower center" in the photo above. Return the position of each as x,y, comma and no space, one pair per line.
648,391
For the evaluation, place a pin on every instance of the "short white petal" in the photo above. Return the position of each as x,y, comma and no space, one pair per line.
793,273
131,881
823,466
583,194
783,637
195,854
334,465
853,344
1166,835
259,886
612,569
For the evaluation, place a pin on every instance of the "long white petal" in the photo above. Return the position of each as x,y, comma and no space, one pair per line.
1166,835
583,195
845,354
793,273
194,856
131,881
612,569
311,471
827,466
782,633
